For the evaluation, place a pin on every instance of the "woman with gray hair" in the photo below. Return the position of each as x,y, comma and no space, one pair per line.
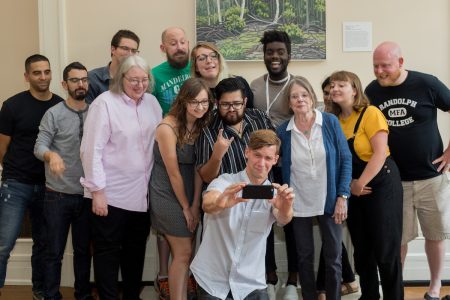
117,156
316,163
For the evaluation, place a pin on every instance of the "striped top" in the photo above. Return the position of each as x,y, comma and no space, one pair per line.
234,160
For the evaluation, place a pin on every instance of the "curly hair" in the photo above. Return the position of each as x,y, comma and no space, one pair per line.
271,36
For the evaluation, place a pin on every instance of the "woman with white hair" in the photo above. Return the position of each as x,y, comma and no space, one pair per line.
117,156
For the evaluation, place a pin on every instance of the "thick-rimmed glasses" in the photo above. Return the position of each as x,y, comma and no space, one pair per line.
196,103
128,49
228,105
136,81
203,57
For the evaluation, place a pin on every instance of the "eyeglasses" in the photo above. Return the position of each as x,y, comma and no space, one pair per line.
298,97
84,80
127,49
234,105
203,57
196,103
136,81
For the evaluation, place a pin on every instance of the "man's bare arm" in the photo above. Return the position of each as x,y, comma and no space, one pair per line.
4,144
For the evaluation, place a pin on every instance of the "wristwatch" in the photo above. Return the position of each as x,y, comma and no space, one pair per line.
343,196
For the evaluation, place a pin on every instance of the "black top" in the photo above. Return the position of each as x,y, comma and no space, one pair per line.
20,117
411,112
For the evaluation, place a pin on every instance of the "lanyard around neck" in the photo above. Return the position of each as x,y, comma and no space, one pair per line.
268,103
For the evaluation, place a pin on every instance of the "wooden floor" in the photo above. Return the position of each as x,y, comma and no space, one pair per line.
24,293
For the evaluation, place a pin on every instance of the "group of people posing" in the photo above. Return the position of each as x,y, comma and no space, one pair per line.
175,146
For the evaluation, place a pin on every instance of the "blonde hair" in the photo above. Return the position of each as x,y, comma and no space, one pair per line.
223,69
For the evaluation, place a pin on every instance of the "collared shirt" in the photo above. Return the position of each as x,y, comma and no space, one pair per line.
234,160
338,158
232,253
60,131
98,82
117,148
308,169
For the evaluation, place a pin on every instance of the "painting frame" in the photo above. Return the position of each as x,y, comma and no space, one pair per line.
236,26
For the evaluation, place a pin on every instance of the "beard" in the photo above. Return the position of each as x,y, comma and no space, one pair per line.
178,62
232,119
78,94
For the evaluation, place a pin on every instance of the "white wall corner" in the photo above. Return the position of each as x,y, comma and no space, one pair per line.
52,38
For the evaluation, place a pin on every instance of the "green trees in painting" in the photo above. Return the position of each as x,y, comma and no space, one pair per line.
237,25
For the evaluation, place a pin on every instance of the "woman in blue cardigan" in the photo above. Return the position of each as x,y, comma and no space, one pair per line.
316,162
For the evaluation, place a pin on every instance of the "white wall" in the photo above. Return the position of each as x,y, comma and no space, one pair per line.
422,28
82,30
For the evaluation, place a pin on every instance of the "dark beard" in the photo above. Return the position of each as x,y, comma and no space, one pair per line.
178,64
78,97
234,121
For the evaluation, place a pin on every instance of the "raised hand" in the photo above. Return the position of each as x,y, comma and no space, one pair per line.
284,198
222,144
229,196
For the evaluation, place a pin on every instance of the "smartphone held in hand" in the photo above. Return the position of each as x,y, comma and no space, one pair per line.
251,191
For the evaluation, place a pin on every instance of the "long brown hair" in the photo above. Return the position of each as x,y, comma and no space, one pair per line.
360,99
189,90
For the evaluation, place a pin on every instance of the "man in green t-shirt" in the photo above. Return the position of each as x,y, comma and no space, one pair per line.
169,77
171,74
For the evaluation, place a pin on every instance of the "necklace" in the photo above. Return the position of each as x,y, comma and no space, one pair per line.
189,133
309,124
278,81
239,132
268,103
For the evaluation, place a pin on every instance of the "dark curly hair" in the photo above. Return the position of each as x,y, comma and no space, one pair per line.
271,36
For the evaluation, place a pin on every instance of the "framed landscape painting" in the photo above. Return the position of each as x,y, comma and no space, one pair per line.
236,26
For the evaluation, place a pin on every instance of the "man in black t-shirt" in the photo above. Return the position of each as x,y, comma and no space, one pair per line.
409,100
23,177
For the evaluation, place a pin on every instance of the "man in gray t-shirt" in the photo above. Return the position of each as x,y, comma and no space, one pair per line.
58,145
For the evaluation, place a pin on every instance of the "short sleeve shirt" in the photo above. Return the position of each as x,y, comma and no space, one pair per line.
372,122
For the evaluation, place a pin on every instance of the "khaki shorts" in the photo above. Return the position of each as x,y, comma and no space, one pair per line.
426,201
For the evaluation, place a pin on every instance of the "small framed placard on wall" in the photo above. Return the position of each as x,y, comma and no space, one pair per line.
357,36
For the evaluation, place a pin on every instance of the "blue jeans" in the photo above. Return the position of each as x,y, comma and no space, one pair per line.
60,211
15,198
